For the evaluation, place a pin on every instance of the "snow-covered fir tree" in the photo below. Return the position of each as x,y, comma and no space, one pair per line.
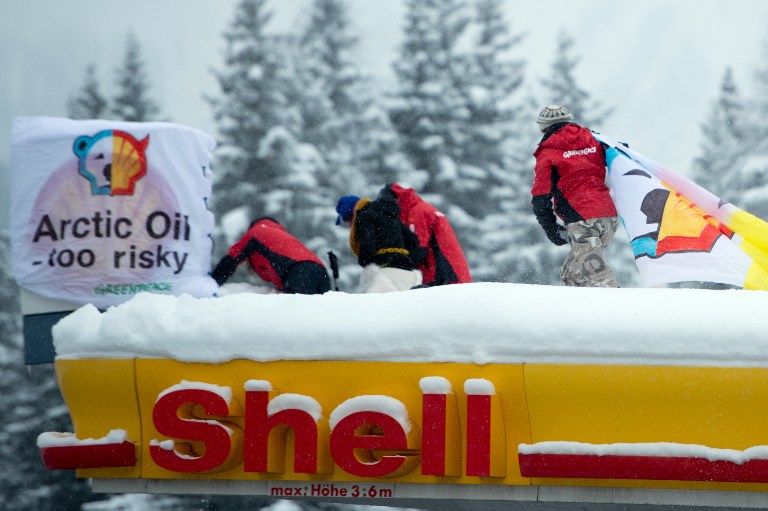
562,88
342,116
31,404
747,183
759,107
132,101
494,180
88,102
267,163
733,162
328,71
438,86
463,126
344,122
297,192
490,83
9,299
724,144
256,100
429,109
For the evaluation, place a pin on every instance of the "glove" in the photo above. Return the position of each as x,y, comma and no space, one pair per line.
558,235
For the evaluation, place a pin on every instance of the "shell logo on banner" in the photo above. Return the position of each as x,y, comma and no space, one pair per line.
112,161
103,210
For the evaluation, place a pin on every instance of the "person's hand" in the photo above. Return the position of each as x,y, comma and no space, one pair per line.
558,235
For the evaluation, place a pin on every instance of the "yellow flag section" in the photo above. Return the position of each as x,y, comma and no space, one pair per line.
754,234
305,425
681,232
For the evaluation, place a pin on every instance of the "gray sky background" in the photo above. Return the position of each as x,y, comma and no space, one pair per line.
659,63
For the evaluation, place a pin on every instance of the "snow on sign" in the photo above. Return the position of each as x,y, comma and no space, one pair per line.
110,208
473,392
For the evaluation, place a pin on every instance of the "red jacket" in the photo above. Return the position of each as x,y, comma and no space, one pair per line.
570,172
270,249
444,262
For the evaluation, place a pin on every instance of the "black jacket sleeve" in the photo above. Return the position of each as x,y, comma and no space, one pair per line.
444,272
417,253
542,208
224,269
228,264
365,227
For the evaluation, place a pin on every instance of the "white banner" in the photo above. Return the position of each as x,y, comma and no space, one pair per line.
102,210
679,231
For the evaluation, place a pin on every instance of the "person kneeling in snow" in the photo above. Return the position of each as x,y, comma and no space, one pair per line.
277,257
444,262
383,245
570,172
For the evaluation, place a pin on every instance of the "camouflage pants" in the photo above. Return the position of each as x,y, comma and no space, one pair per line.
585,265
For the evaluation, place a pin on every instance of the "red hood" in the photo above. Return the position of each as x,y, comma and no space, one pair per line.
268,222
570,136
406,196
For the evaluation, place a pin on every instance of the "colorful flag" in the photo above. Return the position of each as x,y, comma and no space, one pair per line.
102,210
681,232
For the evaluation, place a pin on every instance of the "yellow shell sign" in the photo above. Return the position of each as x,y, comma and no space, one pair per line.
447,423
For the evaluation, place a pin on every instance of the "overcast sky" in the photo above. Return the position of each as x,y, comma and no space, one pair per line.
659,63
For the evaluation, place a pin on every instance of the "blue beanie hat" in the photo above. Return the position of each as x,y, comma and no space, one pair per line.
345,207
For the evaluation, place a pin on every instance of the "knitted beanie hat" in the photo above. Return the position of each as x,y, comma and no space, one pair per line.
552,114
345,207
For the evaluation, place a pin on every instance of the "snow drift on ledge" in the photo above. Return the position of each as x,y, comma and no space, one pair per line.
478,323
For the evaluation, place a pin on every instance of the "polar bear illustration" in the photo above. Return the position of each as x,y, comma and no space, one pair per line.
112,161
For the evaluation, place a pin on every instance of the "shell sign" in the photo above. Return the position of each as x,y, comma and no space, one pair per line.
324,426
110,208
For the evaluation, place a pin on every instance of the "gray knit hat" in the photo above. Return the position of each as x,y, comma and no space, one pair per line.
552,114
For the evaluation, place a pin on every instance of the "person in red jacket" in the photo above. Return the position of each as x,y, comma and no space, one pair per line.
569,181
444,261
276,257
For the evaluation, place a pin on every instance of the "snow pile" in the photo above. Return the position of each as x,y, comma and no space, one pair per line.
478,323
435,385
479,387
295,402
655,449
223,392
166,445
371,403
55,439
